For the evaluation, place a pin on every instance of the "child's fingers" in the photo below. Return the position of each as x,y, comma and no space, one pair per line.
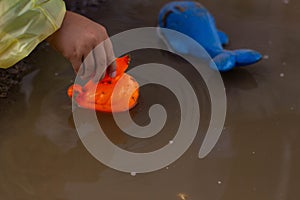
98,61
111,70
76,63
101,62
110,56
89,66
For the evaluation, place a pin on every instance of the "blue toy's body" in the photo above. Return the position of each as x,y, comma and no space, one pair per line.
193,20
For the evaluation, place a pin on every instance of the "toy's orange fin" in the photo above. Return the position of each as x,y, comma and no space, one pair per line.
122,64
74,89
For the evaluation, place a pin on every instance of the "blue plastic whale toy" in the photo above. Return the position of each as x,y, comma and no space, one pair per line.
193,20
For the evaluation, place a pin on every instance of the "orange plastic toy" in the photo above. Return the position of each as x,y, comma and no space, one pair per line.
104,95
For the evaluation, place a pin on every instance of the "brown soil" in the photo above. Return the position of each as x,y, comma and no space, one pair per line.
10,78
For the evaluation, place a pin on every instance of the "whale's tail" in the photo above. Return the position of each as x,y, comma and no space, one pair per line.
227,60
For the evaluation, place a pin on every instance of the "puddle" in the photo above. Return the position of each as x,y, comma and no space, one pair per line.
257,156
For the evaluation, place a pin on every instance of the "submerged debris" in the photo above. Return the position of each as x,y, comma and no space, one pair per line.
281,75
133,173
266,57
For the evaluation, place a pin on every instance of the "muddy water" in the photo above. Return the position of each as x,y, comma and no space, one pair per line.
257,156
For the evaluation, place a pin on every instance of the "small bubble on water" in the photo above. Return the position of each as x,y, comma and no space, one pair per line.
171,142
133,173
282,75
286,1
266,57
219,182
270,42
56,74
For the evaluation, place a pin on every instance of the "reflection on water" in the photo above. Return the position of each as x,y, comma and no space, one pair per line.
41,156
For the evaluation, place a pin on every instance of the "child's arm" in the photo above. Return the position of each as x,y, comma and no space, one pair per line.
25,23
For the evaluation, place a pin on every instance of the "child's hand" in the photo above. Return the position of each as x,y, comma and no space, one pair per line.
76,40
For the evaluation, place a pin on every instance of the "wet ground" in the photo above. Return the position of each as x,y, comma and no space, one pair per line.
257,156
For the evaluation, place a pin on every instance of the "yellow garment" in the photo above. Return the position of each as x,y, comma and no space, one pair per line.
24,24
